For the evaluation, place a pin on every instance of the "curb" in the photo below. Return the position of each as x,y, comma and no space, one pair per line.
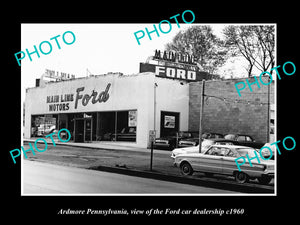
81,146
244,188
119,148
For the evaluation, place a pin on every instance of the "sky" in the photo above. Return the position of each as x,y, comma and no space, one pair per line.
98,48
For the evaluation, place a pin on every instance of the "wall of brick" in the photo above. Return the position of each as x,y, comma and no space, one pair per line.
227,112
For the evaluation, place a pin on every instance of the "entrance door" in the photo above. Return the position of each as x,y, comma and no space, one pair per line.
83,129
88,126
169,123
79,130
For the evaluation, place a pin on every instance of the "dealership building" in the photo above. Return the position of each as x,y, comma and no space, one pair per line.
162,97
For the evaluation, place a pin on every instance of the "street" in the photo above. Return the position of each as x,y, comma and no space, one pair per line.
139,159
44,178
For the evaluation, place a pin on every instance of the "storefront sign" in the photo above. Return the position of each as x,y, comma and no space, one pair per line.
61,102
102,97
58,100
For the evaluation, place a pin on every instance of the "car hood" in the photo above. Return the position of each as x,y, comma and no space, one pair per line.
194,149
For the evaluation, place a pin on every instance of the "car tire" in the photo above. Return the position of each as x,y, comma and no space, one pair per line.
264,180
186,169
241,177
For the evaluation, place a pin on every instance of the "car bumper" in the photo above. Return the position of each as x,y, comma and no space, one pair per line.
173,155
161,145
268,174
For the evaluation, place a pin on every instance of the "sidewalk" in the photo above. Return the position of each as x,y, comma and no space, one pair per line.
127,146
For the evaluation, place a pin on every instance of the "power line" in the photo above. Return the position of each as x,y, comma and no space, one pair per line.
234,91
230,100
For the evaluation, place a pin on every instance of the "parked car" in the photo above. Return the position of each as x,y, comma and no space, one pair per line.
212,135
266,153
170,142
244,140
45,129
220,159
188,142
206,143
126,134
194,141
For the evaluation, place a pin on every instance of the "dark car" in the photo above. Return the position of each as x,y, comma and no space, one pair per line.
126,134
244,140
206,143
170,142
194,141
212,135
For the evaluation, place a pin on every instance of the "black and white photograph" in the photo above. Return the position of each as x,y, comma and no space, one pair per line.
174,109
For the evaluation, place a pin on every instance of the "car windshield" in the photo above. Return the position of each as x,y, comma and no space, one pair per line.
244,151
241,138
229,136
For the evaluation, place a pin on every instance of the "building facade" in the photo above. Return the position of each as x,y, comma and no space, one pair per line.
125,108
224,111
111,107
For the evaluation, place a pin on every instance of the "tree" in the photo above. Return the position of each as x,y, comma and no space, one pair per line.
255,43
200,42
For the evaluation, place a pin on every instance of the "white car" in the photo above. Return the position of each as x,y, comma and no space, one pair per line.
266,153
178,151
45,129
206,143
220,159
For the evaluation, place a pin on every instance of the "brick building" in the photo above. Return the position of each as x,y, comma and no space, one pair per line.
227,112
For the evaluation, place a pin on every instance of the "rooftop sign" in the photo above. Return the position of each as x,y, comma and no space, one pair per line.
172,72
174,57
58,75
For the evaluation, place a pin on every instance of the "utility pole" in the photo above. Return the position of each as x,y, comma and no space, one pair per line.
268,113
152,133
201,114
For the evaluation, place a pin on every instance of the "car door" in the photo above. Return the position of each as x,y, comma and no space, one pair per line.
210,161
229,164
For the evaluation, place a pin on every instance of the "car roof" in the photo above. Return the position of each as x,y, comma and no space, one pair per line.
219,139
238,134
